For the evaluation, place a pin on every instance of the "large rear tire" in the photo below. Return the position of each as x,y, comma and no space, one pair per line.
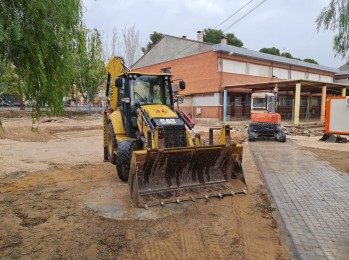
112,145
123,158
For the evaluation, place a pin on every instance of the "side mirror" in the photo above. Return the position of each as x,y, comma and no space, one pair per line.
118,82
182,85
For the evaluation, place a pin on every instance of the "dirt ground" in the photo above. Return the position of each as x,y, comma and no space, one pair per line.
58,200
337,154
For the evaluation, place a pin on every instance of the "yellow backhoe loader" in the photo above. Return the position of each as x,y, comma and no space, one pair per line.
155,147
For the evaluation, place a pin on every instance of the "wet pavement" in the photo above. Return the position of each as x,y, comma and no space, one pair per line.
311,199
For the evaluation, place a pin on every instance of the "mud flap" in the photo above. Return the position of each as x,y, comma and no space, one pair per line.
173,175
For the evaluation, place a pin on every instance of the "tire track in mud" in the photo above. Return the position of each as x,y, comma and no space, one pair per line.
191,244
165,243
205,231
182,244
162,246
220,232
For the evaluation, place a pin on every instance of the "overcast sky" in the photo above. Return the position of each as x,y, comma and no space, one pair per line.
286,24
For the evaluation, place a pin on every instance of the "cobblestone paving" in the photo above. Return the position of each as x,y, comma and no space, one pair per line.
312,199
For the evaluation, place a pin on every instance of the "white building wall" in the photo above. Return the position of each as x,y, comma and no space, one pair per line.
207,100
342,81
187,101
245,68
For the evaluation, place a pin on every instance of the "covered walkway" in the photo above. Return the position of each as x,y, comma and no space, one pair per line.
295,88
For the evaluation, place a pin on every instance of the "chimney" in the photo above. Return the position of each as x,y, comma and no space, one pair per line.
200,36
224,40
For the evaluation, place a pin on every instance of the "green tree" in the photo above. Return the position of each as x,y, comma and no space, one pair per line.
9,80
212,35
311,61
215,36
335,17
155,37
276,51
38,38
89,66
286,55
273,51
232,40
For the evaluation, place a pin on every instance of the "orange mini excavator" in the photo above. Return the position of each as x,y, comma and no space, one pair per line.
264,120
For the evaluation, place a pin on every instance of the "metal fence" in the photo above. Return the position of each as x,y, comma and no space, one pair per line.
243,110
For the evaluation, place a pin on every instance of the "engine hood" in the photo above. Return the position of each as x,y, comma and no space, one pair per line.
159,111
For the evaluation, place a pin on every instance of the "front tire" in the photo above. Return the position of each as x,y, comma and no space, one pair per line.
111,142
123,158
106,155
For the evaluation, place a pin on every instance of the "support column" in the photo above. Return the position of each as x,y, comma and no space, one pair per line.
297,103
323,104
311,104
344,92
225,101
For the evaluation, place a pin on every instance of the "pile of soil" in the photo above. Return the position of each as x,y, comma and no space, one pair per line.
301,131
236,137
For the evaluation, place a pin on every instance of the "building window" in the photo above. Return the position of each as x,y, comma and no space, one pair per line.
258,70
281,73
312,76
234,67
166,70
297,74
219,63
326,78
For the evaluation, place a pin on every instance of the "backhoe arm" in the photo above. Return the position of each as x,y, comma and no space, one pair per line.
115,68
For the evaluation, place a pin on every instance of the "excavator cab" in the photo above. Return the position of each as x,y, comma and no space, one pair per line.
263,103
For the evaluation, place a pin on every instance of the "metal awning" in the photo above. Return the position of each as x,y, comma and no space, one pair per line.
289,85
296,87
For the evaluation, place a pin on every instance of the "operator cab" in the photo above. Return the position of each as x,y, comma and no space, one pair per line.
138,90
263,103
150,90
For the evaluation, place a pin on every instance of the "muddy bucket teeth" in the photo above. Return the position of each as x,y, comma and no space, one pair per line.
159,177
207,197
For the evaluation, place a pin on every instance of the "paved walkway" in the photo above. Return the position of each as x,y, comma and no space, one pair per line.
312,199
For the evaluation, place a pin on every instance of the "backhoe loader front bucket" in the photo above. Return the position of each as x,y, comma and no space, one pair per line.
158,177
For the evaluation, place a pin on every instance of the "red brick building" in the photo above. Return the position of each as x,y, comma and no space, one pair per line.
207,68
